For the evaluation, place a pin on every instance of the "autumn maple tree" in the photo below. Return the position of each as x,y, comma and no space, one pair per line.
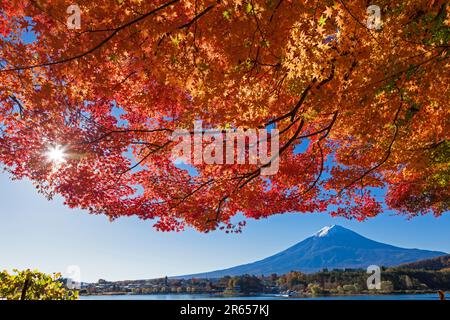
357,108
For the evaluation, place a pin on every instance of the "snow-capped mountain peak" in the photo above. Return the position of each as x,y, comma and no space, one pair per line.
332,247
324,231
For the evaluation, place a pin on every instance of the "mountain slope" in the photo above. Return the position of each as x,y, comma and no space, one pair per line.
434,264
331,247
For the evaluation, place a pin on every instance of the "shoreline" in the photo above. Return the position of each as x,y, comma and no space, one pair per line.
278,295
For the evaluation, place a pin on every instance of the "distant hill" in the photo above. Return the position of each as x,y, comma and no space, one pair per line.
333,247
434,264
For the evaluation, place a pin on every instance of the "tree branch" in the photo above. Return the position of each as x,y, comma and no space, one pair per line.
385,158
99,45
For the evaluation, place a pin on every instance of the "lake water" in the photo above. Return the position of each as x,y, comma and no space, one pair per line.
430,296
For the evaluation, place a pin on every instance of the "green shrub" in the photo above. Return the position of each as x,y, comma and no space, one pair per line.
39,286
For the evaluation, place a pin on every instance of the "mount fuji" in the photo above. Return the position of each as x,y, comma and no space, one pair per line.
332,247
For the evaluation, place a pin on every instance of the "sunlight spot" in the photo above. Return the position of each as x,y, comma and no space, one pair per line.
56,154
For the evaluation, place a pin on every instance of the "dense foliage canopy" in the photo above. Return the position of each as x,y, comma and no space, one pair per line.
357,108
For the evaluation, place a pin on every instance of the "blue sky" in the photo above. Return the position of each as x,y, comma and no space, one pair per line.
36,233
